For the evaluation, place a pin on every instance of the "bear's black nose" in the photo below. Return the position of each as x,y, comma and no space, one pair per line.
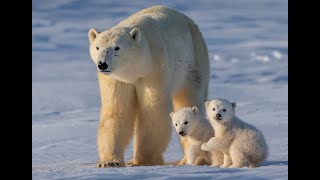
102,65
181,132
218,115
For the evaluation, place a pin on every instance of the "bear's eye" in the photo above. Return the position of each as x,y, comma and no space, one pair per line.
116,48
186,122
176,124
224,110
213,109
97,48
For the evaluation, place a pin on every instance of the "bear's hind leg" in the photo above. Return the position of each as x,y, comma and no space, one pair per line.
255,161
238,159
151,138
153,125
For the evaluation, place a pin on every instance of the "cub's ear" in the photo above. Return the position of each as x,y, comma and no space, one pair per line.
233,104
92,34
207,104
195,109
171,115
136,34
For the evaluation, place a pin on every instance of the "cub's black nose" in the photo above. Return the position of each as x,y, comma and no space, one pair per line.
181,132
102,65
218,115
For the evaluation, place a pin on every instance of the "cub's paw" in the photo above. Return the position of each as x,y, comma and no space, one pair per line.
108,164
139,164
182,162
130,163
233,166
203,147
216,165
224,165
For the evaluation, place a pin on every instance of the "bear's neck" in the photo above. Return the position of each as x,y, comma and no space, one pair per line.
221,128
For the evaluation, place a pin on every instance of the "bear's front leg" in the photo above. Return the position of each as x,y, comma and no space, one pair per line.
216,143
184,142
153,124
192,156
118,110
216,158
227,161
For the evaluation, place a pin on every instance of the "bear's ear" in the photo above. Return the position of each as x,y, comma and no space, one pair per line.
207,104
171,115
92,34
136,34
195,109
233,104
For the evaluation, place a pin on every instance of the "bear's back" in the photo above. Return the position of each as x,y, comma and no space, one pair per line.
159,15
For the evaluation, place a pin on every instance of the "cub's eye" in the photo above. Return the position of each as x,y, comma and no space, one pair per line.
224,110
97,48
213,109
116,48
186,122
176,124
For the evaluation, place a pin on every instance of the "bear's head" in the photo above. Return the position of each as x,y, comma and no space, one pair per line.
120,52
185,120
220,110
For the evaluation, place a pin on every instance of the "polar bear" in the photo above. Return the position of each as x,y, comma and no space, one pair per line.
148,65
189,123
239,141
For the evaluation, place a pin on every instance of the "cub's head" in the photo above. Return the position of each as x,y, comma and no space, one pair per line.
185,120
121,52
220,110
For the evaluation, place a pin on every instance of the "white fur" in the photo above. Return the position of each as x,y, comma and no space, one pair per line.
162,65
197,130
240,142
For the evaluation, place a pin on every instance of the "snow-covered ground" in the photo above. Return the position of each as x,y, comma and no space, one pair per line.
248,45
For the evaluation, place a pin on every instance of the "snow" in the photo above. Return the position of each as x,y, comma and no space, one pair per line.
277,54
248,46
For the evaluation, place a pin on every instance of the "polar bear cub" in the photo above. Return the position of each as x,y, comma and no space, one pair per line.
189,123
240,142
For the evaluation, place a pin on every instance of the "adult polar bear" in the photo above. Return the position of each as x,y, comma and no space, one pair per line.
151,63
